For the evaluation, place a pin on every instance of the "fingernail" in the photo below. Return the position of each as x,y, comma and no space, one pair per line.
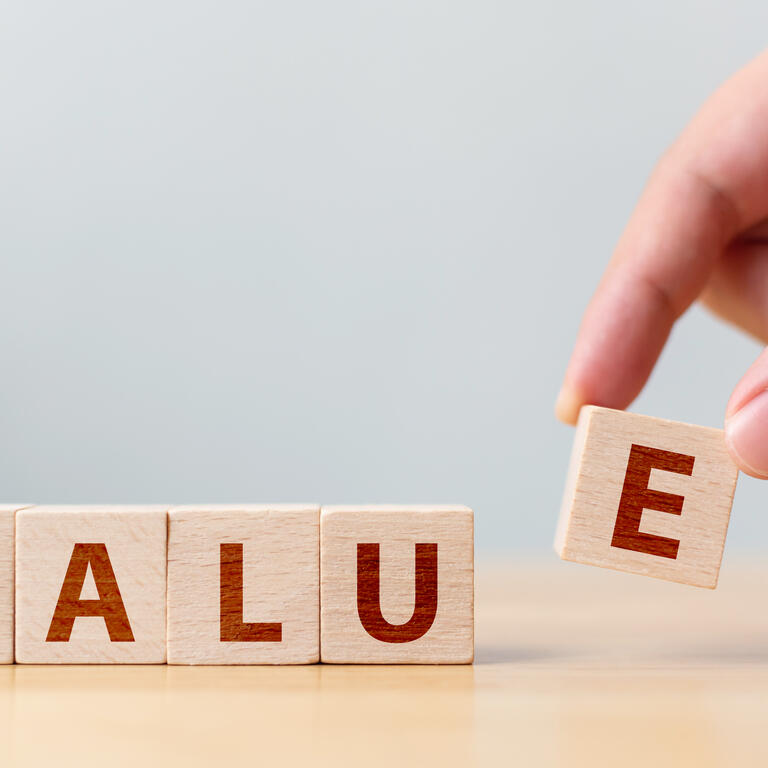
746,435
567,406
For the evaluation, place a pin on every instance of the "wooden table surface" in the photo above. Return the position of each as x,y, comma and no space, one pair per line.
576,666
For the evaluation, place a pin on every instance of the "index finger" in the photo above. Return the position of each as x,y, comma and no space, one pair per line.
704,191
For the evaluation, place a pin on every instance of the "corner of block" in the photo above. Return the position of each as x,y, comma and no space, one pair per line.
569,492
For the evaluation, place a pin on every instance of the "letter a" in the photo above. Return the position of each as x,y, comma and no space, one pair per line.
109,605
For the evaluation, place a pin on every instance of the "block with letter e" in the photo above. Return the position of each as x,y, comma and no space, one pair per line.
647,496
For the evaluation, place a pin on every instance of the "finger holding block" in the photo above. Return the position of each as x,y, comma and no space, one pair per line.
396,585
647,496
90,585
243,584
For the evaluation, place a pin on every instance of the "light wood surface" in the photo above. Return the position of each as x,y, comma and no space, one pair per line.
575,666
59,544
279,584
391,573
648,496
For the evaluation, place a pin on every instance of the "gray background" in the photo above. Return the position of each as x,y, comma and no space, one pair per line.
334,251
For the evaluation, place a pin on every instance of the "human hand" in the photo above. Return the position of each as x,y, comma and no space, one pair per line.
699,232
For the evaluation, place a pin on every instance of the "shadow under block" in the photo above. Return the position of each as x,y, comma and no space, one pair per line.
396,585
647,496
90,585
243,584
7,524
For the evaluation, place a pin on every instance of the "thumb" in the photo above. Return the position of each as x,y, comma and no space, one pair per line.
746,420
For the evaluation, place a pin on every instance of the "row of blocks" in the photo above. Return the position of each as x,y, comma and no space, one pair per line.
227,584
298,584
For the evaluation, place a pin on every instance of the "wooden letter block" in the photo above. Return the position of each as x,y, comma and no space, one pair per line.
243,585
396,585
647,496
7,525
90,585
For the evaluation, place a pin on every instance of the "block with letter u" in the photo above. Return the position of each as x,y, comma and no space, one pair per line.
396,585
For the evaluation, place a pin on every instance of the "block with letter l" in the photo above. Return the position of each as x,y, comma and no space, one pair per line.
243,584
647,496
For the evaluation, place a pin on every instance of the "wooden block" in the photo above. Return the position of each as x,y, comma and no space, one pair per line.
7,525
396,585
90,585
647,496
243,584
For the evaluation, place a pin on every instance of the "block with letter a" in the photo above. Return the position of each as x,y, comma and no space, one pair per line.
90,585
396,585
647,496
243,584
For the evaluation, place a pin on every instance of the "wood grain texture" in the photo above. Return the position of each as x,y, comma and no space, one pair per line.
7,536
134,538
348,577
280,582
647,496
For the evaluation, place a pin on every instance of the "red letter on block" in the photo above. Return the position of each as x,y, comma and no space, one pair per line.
368,596
109,605
637,496
232,628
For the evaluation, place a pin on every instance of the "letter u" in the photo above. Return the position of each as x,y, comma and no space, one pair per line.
369,596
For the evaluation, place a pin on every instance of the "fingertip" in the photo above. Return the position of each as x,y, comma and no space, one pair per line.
745,436
754,381
568,405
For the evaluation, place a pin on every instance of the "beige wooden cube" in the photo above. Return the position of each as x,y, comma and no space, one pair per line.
243,584
396,585
90,584
7,526
647,496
